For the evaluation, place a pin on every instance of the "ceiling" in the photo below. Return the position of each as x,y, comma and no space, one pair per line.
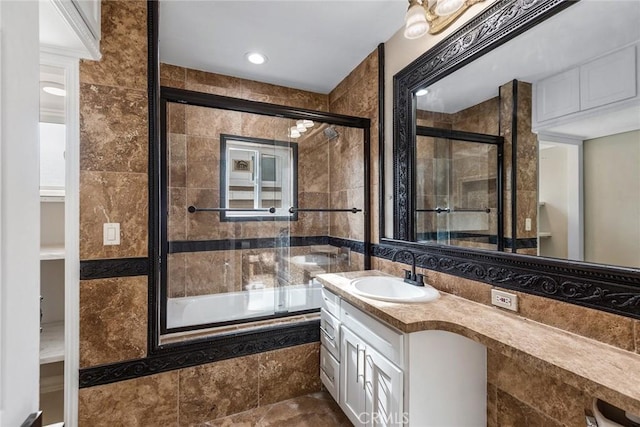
310,44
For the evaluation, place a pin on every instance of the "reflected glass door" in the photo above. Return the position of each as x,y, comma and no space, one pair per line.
458,188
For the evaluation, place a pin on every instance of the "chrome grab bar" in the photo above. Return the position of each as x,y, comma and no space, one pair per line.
193,209
352,210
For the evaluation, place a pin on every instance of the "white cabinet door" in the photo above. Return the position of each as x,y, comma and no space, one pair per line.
558,95
352,396
384,391
608,79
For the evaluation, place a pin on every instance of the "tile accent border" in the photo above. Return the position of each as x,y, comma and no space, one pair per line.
116,267
201,352
183,246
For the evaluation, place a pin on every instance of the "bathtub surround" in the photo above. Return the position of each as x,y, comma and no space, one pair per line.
196,169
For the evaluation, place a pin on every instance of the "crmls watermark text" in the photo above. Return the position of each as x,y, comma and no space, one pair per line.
380,418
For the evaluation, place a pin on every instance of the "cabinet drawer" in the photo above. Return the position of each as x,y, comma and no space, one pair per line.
330,373
330,333
331,302
385,340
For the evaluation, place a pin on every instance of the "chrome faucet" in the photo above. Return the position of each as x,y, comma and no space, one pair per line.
410,276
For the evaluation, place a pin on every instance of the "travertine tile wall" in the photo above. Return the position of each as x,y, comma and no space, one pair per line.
356,95
114,185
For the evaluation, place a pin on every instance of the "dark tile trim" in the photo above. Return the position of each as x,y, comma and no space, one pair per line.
181,356
354,245
117,267
182,246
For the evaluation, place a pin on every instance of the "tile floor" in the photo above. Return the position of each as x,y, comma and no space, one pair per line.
312,410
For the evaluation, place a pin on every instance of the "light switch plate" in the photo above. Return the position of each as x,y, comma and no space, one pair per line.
111,233
504,299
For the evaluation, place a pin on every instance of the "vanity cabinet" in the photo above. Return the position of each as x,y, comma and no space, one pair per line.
371,387
387,377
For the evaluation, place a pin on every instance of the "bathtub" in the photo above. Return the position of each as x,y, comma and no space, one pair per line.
233,306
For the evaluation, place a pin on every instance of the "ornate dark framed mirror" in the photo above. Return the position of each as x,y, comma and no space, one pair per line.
534,110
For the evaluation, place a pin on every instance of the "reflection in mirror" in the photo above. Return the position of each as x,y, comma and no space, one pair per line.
230,258
569,112
458,188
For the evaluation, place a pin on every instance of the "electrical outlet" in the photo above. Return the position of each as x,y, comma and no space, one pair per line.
504,300
527,224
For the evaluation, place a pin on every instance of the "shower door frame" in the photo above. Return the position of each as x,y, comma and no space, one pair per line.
463,136
158,292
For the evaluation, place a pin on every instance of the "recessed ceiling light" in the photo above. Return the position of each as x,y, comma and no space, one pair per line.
53,88
422,92
256,58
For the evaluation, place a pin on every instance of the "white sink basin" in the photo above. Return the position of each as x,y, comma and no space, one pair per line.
392,289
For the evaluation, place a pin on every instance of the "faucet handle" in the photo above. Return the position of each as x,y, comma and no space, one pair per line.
420,279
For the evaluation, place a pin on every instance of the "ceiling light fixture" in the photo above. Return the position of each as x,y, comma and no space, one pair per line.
53,88
256,58
433,16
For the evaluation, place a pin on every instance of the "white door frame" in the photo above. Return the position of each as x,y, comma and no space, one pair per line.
70,65
19,212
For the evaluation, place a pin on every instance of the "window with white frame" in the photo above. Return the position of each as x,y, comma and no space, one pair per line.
257,175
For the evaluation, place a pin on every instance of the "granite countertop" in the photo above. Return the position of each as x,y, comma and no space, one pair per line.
604,371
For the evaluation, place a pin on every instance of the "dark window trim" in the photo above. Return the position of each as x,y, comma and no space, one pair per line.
223,177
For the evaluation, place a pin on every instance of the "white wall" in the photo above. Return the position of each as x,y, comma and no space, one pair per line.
19,211
400,52
552,190
612,199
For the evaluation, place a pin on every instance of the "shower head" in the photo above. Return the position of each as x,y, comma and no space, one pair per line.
331,133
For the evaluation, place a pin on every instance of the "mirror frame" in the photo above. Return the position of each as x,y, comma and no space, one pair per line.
603,287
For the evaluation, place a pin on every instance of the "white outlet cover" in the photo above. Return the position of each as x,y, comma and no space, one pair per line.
111,233
504,299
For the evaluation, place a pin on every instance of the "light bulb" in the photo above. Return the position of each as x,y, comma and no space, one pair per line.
300,126
293,132
422,92
308,123
256,58
416,22
447,7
